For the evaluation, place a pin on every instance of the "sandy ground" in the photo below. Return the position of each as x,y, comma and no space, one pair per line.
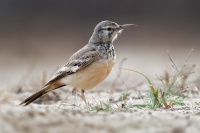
43,118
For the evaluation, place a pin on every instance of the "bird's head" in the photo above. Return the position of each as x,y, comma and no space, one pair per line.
107,31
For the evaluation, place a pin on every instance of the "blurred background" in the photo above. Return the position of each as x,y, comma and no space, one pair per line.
40,35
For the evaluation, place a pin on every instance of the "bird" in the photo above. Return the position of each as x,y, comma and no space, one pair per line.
89,66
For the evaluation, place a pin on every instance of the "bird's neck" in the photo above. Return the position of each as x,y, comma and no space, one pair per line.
95,39
106,50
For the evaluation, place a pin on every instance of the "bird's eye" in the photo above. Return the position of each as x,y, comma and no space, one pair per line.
109,28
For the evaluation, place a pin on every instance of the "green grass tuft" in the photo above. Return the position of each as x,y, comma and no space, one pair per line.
163,97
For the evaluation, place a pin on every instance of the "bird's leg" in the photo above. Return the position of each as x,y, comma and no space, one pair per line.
84,99
74,95
71,92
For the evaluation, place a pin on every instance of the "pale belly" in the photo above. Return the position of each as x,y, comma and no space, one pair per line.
90,76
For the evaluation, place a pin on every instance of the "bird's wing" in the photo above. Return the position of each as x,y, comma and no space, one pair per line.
78,61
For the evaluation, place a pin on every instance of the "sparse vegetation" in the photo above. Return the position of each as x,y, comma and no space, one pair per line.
165,96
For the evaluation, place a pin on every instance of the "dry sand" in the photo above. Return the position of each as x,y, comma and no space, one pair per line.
43,118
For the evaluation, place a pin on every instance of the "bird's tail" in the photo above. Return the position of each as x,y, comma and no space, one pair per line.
40,93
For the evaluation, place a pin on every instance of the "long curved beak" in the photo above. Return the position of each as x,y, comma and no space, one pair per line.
127,25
